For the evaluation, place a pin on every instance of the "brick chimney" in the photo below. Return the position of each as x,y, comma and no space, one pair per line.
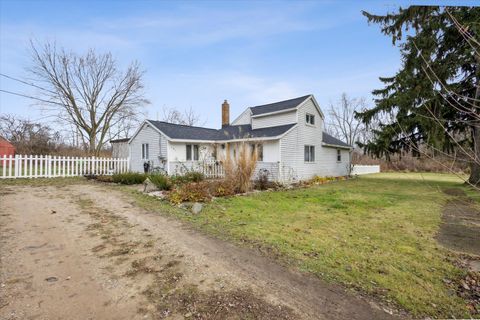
225,114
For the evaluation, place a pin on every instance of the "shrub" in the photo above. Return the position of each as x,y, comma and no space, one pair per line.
262,182
221,188
191,176
104,178
192,192
323,180
129,178
160,181
194,176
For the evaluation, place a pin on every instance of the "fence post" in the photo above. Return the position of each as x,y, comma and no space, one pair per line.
10,164
4,167
15,168
128,163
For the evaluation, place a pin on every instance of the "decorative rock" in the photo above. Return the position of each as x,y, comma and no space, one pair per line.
157,194
148,186
197,207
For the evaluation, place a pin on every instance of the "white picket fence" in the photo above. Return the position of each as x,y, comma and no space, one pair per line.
35,166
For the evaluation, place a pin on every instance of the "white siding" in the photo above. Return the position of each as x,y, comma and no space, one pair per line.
271,151
292,147
274,120
177,151
289,156
157,148
120,149
163,146
271,170
328,166
244,118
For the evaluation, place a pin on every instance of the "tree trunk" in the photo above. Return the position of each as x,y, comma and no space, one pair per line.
92,147
475,165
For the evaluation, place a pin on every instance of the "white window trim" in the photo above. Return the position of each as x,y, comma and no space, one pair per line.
339,153
145,151
314,153
192,152
312,116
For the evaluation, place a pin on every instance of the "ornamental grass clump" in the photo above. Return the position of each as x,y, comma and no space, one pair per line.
240,168
162,182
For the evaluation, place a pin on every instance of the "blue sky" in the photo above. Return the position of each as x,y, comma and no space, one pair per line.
198,53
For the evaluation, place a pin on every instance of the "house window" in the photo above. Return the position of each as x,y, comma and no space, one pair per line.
192,152
309,153
310,119
260,152
144,151
339,155
214,152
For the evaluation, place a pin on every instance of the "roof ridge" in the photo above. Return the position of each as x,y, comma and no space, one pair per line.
182,125
268,104
282,125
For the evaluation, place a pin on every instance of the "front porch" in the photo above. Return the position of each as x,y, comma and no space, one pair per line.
213,169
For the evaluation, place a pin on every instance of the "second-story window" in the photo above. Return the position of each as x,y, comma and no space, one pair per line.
310,119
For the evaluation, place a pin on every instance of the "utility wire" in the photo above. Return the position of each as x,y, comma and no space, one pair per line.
25,82
30,97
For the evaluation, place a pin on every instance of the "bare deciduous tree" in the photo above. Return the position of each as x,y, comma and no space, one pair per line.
188,117
342,122
28,137
87,91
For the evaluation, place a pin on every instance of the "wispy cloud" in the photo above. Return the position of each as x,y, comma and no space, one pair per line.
199,27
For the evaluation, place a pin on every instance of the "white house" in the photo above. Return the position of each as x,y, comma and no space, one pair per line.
288,137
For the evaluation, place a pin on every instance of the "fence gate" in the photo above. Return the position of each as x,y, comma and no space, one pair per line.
35,166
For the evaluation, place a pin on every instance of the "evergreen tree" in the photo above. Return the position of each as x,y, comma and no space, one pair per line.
435,95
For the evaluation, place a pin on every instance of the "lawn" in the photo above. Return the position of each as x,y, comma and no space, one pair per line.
375,234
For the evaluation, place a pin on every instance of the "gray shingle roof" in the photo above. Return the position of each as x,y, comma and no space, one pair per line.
328,139
278,106
177,131
119,140
246,131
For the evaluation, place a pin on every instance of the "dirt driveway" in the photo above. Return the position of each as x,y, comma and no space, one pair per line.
87,252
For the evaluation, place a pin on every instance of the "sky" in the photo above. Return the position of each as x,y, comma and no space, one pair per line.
197,53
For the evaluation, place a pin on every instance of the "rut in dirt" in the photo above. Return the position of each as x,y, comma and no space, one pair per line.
460,227
151,266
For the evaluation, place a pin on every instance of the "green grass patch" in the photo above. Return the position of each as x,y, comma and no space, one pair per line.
375,234
42,181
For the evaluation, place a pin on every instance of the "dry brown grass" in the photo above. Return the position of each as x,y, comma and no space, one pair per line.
408,163
240,169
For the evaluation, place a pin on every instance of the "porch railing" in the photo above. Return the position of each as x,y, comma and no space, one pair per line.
215,169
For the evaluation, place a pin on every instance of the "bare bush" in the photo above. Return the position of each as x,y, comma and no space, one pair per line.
188,117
